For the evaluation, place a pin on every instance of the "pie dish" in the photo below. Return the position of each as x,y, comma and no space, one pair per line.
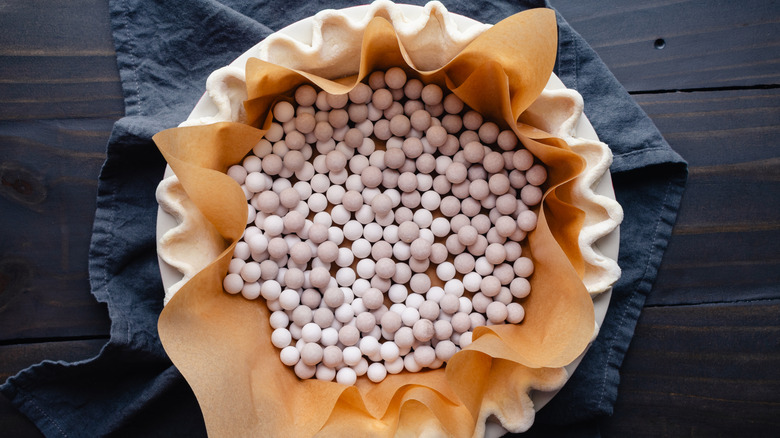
557,111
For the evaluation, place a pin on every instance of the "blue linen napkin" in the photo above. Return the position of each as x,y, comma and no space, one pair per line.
165,51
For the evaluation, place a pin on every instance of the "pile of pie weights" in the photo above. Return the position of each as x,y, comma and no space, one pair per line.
384,226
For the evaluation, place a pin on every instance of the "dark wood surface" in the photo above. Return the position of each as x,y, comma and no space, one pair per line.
705,360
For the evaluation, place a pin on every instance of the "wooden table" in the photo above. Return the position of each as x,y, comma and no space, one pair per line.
705,359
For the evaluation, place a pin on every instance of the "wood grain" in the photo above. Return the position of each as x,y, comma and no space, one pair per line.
718,267
702,370
744,122
724,243
53,87
49,171
713,43
57,60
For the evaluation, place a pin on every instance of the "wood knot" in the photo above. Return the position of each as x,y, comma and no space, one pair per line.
22,185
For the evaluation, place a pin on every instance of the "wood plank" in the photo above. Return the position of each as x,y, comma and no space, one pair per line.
718,267
704,370
732,199
57,60
45,87
719,127
731,141
714,43
49,177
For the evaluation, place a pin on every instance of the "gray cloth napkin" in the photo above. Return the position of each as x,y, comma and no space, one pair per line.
165,51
